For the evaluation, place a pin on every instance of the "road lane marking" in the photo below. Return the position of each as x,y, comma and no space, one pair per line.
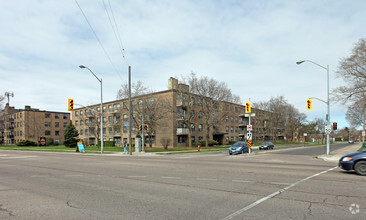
242,181
206,179
18,157
171,177
274,194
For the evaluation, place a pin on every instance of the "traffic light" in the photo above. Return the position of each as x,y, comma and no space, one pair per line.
140,127
309,104
147,127
71,105
334,125
248,108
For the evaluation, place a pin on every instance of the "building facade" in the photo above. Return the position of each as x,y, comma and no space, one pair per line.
172,116
31,124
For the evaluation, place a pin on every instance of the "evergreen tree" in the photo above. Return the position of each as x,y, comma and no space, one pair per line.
71,136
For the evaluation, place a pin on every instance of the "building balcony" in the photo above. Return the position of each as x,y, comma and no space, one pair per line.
182,103
182,131
115,111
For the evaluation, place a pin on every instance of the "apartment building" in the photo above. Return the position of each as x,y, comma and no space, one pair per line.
31,124
172,116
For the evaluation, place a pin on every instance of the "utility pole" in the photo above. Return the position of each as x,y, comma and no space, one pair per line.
143,135
129,111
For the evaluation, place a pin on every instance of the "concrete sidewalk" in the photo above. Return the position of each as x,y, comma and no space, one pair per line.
334,156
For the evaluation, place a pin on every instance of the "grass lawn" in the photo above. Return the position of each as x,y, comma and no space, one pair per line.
109,149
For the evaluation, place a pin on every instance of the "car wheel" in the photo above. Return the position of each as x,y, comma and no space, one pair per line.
360,168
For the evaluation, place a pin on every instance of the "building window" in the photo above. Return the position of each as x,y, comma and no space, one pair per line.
65,116
104,108
110,131
124,129
57,133
199,114
81,112
236,129
57,124
231,129
125,117
227,129
110,119
76,113
192,127
47,132
86,132
56,116
200,127
47,115
76,123
182,139
47,124
110,109
81,132
116,107
193,139
81,122
65,124
199,102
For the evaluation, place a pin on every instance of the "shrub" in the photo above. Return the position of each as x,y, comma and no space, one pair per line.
26,143
49,141
232,142
210,143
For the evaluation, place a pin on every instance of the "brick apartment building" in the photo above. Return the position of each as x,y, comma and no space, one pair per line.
169,114
31,124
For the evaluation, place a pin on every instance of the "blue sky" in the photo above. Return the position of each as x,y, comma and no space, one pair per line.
251,45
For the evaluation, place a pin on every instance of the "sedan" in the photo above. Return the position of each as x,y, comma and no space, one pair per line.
239,148
354,161
266,146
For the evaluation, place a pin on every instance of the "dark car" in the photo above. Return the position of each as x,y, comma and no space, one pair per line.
354,161
266,145
239,148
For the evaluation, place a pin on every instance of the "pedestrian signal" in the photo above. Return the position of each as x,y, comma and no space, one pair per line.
248,108
71,105
309,104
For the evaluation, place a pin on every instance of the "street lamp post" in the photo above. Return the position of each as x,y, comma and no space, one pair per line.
101,106
328,104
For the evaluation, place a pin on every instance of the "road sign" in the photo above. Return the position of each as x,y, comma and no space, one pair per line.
126,125
363,133
249,127
328,129
249,136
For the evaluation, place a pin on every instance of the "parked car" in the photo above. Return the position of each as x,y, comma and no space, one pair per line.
266,145
351,141
354,161
239,148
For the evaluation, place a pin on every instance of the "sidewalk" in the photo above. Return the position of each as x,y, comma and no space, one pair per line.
334,156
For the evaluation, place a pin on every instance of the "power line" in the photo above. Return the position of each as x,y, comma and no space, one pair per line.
115,27
96,36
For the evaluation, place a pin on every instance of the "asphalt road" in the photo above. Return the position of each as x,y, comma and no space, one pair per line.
269,185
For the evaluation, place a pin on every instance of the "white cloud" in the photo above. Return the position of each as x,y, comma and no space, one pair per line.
251,45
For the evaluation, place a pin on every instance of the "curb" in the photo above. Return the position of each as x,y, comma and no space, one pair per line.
336,155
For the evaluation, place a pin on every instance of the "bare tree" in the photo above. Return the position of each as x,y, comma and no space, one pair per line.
2,98
211,94
353,71
137,89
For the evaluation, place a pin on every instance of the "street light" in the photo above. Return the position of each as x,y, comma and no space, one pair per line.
101,106
328,104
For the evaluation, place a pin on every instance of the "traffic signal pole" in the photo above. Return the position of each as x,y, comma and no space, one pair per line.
129,111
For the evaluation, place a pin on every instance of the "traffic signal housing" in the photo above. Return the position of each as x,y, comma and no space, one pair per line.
70,104
147,127
140,127
248,108
309,104
334,125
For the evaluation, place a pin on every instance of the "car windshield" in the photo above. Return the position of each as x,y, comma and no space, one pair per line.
238,144
265,143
